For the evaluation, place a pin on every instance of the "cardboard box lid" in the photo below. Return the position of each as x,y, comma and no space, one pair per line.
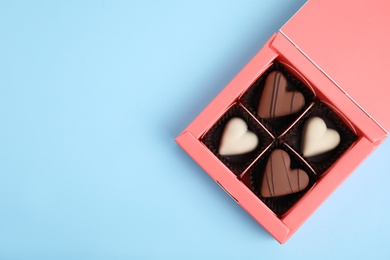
349,42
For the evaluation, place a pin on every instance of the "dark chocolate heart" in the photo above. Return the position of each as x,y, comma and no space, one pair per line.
276,100
279,179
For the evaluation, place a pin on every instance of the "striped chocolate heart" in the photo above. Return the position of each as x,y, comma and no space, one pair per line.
279,179
276,100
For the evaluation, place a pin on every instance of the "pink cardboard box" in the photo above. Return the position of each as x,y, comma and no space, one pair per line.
339,51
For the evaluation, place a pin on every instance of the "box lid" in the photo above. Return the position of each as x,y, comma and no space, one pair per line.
349,42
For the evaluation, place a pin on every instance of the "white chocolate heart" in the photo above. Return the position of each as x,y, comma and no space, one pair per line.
317,138
236,138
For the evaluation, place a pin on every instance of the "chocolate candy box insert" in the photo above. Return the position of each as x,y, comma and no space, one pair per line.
279,169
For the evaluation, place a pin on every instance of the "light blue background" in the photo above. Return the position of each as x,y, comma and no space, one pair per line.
92,95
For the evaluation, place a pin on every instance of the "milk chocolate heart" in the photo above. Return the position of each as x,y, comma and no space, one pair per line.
317,138
236,138
276,101
279,179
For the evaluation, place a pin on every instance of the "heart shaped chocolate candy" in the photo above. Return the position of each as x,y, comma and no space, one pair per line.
276,100
317,138
279,179
236,138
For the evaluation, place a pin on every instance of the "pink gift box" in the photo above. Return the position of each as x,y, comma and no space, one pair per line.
339,49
